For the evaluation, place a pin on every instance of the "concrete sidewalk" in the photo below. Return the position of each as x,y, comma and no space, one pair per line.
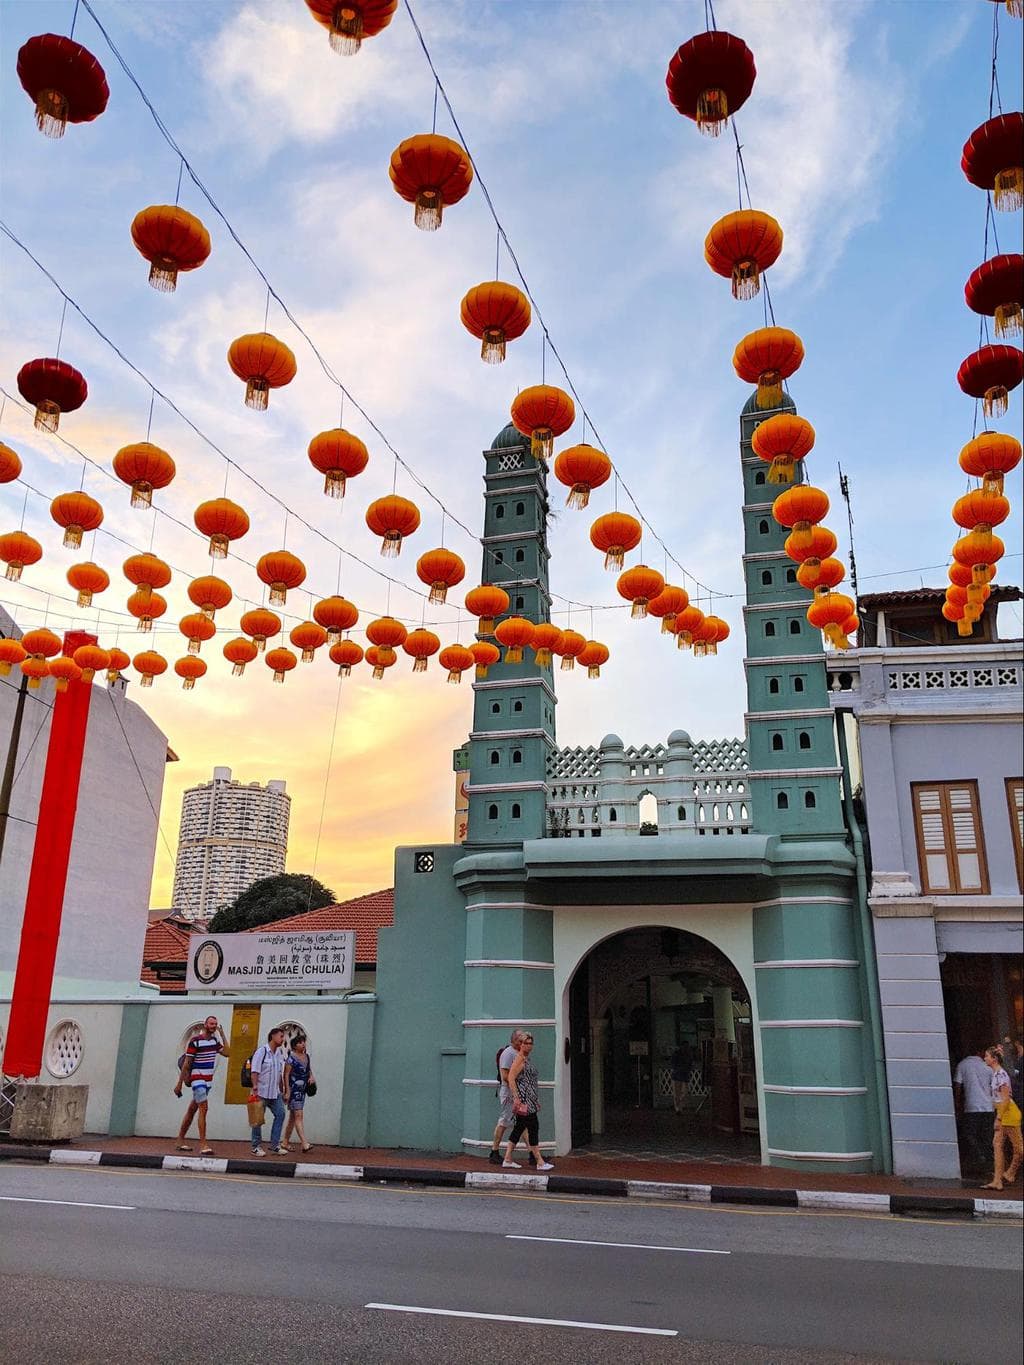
704,1182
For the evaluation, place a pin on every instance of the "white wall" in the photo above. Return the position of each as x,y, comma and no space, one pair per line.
100,1024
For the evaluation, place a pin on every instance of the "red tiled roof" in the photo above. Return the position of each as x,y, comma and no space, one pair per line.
364,914
150,978
165,942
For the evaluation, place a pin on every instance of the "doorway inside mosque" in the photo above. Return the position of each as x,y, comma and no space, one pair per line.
662,1050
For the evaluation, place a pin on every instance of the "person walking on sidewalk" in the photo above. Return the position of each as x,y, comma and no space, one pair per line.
506,1118
267,1066
1008,1118
972,1093
524,1084
298,1083
198,1062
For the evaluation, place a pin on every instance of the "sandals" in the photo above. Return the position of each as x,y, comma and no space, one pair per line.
308,1147
183,1147
206,1151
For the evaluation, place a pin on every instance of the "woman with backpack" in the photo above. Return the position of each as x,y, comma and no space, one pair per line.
524,1083
298,1083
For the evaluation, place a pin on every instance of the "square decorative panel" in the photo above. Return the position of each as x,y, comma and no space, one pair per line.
424,861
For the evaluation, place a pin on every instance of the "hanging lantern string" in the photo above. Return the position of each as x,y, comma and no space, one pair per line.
181,172
60,333
324,364
709,17
503,237
995,100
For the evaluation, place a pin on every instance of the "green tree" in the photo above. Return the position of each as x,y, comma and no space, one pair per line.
272,898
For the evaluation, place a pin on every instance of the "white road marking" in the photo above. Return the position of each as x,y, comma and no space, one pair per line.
65,1203
539,1322
632,1246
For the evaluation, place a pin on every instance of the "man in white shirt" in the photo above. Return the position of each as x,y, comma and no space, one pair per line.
267,1068
972,1092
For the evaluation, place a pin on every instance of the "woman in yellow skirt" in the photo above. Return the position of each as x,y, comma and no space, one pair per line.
1007,1123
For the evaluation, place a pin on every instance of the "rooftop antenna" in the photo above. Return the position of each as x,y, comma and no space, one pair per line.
844,488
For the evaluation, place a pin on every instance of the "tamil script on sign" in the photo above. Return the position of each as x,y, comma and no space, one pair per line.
300,961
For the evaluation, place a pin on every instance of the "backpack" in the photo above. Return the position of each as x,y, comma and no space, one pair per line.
497,1066
246,1073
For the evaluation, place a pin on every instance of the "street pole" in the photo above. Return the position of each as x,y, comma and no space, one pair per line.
7,782
44,899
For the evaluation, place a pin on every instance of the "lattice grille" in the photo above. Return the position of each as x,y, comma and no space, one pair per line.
64,1050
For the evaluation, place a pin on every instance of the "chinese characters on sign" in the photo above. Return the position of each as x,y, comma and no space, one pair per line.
302,961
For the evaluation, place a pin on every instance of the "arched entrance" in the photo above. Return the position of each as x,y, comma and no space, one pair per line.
662,1049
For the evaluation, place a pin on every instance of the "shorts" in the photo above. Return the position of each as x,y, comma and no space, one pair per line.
200,1092
506,1117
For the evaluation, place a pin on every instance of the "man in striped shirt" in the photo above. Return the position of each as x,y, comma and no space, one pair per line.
197,1066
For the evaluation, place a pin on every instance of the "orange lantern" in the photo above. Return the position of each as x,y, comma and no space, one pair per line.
570,647
592,656
515,633
582,468
11,652
950,610
819,575
386,632
119,661
741,245
484,654
146,606
147,572
440,569
616,533
145,467
851,626
687,623
196,628
766,358
545,641
264,363
380,657
209,594
432,172
35,670
709,635
780,441
800,507
392,518
338,455
150,664
667,604
10,464
989,457
87,579
91,660
16,550
972,598
189,669
41,643
456,658
810,547
63,670
335,614
828,613
281,661
76,513
963,575
638,585
487,602
260,624
420,645
308,637
172,240
348,22
980,510
543,412
346,654
496,313
280,570
980,551
238,653
223,521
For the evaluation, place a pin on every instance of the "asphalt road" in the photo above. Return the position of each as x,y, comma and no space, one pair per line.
108,1266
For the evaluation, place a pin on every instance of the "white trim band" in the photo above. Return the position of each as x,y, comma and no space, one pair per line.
812,1023
510,962
821,1156
505,905
783,962
815,1089
478,789
803,900
509,1023
792,774
493,1082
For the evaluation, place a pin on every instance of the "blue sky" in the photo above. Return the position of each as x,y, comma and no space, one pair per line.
852,140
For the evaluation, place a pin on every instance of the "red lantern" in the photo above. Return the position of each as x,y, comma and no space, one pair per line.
52,387
582,468
11,652
386,632
993,157
392,518
515,633
996,290
980,510
91,659
87,579
829,613
570,647
667,604
709,78
146,605
172,240
546,638
818,575
800,507
119,661
781,441
189,669
990,373
196,627
616,533
807,547
40,643
260,625
223,521
487,602
348,22
380,657
687,623
989,457
64,79
432,172
64,670
209,593
146,571
496,313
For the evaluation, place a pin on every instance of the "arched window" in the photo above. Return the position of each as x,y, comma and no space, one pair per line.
795,627
782,801
495,708
767,578
763,526
520,556
613,816
810,800
519,603
791,576
492,812
773,687
648,809
517,755
499,557
680,812
520,508
769,630
499,512
777,743
805,740
798,684
517,810
517,706
495,758
759,477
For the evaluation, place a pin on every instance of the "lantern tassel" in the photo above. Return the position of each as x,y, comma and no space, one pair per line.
997,400
429,210
781,469
13,572
568,662
218,547
378,673
147,679
615,557
142,494
391,544
594,671
746,280
492,346
257,394
454,675
712,112
47,416
964,627
543,658
486,625
769,389
542,441
334,483
992,481
639,610
1009,320
579,495
163,275
51,113
420,666
513,654
238,670
346,35
481,672
1009,189
438,592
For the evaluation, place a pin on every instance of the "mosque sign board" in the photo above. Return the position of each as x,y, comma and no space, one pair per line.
274,960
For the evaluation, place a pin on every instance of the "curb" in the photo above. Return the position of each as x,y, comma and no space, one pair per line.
838,1200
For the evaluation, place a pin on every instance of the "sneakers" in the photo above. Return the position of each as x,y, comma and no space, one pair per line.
258,1151
512,1165
494,1156
282,1151
545,1166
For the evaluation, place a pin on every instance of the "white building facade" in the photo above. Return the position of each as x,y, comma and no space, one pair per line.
232,834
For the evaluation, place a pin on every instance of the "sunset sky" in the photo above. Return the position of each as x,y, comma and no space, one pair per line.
851,139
